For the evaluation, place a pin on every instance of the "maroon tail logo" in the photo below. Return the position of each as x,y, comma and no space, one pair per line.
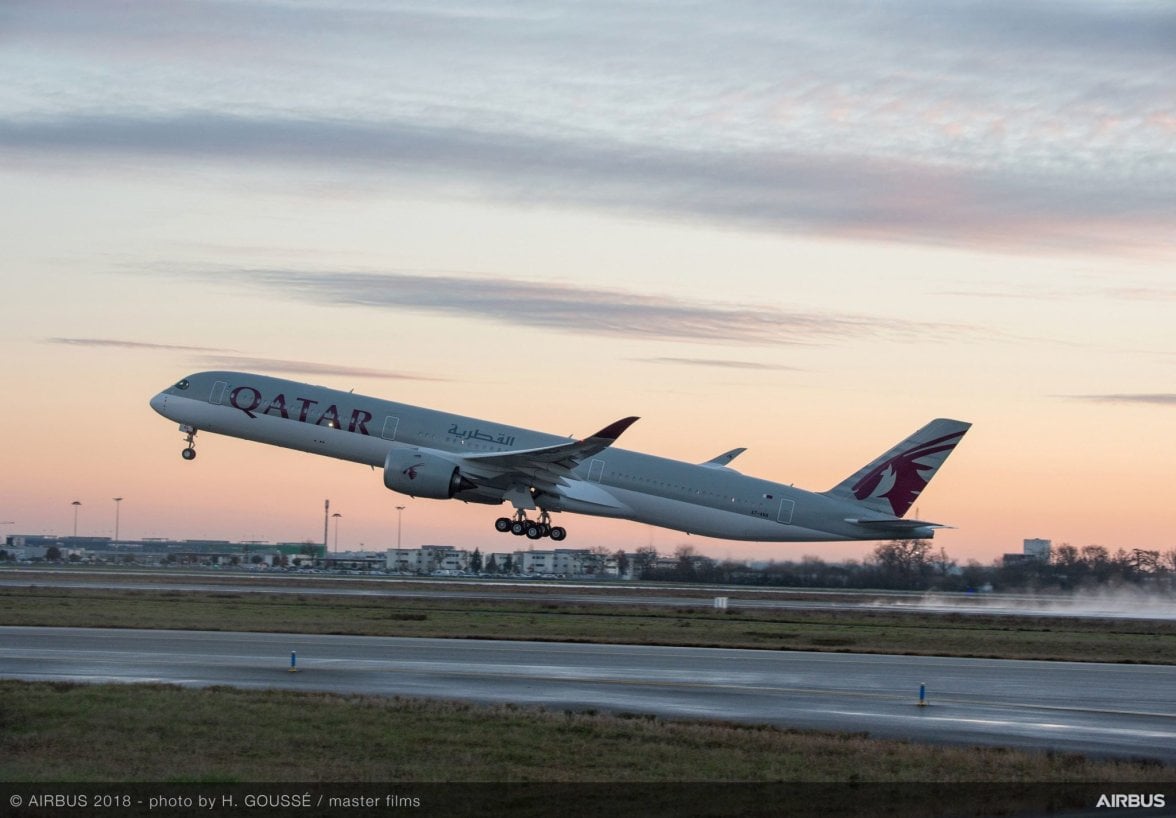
410,472
900,479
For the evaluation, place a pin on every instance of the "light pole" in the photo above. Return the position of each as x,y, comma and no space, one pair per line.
117,506
399,517
76,504
326,524
336,517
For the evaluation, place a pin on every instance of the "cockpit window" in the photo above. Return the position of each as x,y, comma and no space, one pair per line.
183,384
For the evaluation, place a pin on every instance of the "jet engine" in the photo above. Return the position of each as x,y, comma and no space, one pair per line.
422,474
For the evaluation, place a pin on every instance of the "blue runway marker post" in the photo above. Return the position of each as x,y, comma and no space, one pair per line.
293,661
922,695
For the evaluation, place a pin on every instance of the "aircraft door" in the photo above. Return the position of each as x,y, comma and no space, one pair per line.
595,471
218,393
786,509
389,430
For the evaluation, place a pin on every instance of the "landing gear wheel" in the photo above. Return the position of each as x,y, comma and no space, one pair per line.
536,530
188,453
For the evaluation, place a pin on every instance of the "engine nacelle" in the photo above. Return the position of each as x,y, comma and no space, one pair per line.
420,474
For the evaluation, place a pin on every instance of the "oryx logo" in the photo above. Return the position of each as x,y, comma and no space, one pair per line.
410,472
901,478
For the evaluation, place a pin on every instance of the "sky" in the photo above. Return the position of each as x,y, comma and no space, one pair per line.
801,227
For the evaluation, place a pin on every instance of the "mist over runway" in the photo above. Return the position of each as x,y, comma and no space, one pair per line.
1105,604
1099,709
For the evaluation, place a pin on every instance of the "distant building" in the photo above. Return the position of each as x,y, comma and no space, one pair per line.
355,561
565,561
154,551
427,559
403,560
1038,549
1032,551
1018,559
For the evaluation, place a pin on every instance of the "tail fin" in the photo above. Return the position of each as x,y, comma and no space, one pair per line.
891,483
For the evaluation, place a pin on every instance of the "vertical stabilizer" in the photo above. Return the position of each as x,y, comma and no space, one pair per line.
891,483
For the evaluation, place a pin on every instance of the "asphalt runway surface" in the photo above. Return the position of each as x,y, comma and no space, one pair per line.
1097,709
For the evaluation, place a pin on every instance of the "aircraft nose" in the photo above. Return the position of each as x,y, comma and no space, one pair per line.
159,402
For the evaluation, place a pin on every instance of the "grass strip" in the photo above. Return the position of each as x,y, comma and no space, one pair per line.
858,631
158,733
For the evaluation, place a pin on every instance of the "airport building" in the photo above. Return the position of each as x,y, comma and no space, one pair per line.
560,561
425,560
365,561
39,547
446,559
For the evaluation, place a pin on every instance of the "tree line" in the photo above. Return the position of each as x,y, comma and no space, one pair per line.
915,565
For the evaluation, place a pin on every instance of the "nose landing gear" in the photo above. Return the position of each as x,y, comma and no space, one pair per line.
190,452
534,530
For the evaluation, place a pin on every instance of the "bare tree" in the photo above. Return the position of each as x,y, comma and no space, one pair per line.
1168,560
1145,562
644,561
622,563
903,562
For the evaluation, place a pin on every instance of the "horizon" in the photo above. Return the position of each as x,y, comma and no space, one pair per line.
697,545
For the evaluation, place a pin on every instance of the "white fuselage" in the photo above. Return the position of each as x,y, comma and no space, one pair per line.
710,500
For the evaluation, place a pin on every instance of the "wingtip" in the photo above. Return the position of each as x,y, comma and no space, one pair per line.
614,430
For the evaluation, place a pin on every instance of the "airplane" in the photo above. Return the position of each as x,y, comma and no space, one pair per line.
437,455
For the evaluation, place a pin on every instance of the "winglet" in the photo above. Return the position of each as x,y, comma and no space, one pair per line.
613,430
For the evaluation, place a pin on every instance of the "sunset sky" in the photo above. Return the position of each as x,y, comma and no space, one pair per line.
801,227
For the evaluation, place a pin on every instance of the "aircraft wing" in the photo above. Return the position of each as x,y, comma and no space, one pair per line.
546,466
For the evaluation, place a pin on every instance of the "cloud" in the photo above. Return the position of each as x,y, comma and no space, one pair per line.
722,364
1031,292
310,368
787,191
572,308
121,344
1156,399
1000,124
1142,293
215,358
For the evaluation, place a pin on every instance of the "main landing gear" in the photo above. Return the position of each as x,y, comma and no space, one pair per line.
190,452
534,530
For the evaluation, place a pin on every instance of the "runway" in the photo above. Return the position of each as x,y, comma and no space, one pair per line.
1098,709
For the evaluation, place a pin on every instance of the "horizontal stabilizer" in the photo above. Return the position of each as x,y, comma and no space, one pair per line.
892,523
725,458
